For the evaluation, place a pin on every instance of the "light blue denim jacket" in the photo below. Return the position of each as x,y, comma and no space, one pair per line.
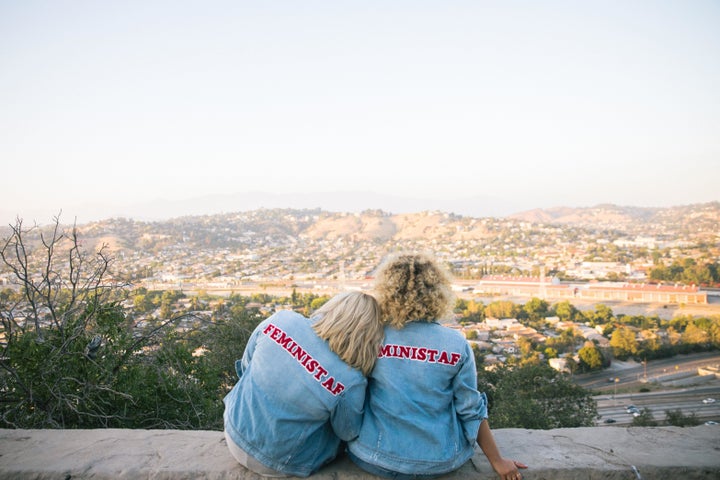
423,409
295,398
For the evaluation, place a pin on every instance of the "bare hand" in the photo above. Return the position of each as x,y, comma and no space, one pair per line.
508,469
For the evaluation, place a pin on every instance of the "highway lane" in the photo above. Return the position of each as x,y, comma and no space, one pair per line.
688,401
619,386
631,373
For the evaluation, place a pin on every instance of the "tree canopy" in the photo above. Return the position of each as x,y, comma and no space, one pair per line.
536,397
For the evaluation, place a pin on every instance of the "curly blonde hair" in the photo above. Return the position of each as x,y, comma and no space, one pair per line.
412,287
350,323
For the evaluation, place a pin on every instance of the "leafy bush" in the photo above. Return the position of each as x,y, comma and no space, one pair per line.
536,397
645,419
72,359
678,419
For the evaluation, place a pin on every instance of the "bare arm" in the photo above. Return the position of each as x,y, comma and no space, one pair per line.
505,468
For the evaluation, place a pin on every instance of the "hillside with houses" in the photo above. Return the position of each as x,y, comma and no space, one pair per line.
604,243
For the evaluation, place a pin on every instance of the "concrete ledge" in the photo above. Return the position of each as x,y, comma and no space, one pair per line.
573,453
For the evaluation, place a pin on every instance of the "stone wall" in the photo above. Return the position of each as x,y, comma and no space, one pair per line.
577,453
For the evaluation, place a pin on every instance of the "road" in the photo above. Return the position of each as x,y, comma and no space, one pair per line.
688,401
631,374
615,396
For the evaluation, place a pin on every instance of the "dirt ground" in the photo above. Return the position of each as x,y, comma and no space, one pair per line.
663,311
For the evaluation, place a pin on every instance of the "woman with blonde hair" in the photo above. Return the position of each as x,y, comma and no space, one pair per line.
302,386
424,412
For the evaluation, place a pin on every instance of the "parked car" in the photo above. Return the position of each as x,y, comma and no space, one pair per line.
709,400
711,422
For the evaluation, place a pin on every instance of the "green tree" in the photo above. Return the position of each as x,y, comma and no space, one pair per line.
650,347
473,311
686,271
603,314
537,397
166,310
571,365
525,346
566,311
528,354
695,335
656,257
608,329
501,309
317,303
550,353
565,342
590,358
536,308
714,332
623,343
141,303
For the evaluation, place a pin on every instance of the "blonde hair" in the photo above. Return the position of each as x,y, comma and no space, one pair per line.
350,323
412,287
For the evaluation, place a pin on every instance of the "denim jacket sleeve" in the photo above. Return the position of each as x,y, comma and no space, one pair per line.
346,417
470,405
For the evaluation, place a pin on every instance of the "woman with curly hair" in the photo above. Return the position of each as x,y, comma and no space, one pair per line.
423,413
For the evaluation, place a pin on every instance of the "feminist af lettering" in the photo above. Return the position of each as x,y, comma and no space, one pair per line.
312,366
420,354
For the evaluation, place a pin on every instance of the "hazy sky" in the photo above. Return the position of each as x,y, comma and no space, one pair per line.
544,103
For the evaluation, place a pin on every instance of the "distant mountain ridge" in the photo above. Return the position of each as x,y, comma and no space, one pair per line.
689,222
287,227
583,215
468,205
611,216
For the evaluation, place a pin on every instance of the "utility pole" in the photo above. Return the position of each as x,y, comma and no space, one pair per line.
615,385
